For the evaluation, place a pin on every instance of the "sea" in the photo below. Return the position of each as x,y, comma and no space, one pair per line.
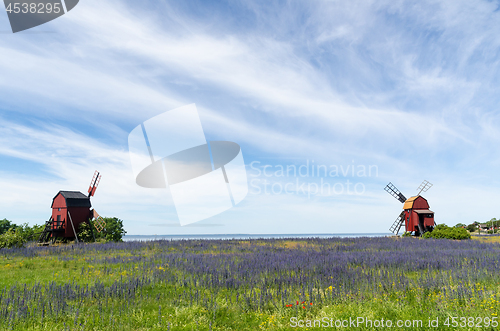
251,236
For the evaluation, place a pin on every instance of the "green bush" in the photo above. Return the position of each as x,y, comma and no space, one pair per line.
113,230
85,233
442,231
441,227
30,233
12,238
12,235
427,235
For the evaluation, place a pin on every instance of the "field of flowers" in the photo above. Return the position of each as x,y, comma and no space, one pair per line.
271,284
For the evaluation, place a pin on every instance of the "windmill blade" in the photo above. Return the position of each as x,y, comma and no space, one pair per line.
424,187
95,215
392,190
99,224
398,223
94,182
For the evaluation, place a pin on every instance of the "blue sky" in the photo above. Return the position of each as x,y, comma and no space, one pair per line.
410,87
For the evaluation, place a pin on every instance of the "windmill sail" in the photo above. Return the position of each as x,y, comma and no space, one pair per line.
424,187
398,223
94,182
392,190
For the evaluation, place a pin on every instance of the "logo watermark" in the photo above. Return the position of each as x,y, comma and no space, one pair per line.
26,14
359,322
205,178
310,179
362,322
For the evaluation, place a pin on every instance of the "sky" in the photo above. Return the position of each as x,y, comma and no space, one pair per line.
398,91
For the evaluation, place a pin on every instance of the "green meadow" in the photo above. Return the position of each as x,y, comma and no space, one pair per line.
271,284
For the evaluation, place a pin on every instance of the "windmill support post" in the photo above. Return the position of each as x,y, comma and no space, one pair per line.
69,214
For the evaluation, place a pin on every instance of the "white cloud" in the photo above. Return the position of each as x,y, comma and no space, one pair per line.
70,158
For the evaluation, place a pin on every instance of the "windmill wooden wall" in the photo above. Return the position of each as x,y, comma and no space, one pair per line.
417,212
78,206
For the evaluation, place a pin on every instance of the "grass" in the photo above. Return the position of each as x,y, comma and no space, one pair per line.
486,238
249,285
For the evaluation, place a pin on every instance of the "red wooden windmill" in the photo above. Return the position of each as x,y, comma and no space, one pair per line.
416,215
69,210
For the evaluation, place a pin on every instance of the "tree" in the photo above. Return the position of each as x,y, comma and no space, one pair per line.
489,223
113,229
460,225
471,227
5,225
495,223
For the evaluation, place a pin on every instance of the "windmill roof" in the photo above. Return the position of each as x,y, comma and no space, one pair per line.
74,199
409,203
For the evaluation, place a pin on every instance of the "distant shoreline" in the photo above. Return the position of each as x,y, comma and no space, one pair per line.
251,236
